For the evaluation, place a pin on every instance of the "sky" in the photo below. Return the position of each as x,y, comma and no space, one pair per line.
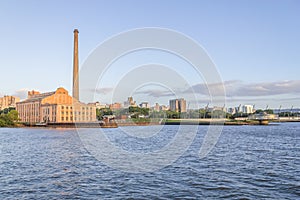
254,45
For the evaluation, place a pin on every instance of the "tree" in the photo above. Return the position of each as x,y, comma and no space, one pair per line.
7,110
9,119
173,114
269,111
138,111
103,111
13,115
259,111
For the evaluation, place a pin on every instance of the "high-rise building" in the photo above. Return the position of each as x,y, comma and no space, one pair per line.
247,109
129,102
144,105
156,107
8,101
178,105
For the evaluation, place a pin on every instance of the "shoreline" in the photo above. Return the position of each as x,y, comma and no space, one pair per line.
199,122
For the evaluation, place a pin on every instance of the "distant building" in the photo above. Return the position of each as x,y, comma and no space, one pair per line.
156,107
115,106
238,109
100,106
144,105
130,103
178,105
231,110
216,108
164,108
54,107
248,109
8,101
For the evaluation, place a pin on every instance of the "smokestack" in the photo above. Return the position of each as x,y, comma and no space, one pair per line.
75,67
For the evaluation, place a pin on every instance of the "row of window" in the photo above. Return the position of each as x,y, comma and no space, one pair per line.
71,118
83,108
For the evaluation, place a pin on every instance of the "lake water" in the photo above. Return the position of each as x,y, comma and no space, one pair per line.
248,162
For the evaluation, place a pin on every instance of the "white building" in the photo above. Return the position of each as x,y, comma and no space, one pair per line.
144,105
247,109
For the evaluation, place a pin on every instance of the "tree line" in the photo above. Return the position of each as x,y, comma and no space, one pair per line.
8,117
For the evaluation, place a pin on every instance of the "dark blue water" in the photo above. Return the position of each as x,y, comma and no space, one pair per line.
248,162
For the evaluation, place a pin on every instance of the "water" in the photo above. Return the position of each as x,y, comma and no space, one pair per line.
248,162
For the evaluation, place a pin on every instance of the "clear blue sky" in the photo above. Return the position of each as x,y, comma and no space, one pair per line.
252,42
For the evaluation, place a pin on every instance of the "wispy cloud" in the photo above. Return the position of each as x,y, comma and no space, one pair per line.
236,88
268,88
215,89
104,90
22,93
156,93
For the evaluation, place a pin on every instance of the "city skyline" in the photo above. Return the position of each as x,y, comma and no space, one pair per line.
256,55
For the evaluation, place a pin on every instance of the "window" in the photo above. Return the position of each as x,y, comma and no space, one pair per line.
62,118
62,107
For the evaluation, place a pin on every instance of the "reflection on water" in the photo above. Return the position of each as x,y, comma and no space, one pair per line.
250,162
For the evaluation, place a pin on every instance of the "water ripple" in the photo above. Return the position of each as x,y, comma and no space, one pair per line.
248,162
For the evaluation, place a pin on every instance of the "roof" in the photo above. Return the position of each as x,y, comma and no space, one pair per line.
38,97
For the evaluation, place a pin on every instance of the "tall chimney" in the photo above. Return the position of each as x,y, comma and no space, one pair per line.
75,67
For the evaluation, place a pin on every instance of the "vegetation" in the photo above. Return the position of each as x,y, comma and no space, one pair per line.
135,112
141,113
8,119
268,111
103,111
141,120
6,110
288,114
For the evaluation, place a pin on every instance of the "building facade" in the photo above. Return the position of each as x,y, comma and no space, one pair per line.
247,109
8,101
54,107
144,105
115,106
178,105
130,103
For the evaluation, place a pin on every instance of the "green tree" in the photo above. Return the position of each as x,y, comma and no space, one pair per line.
7,110
173,114
138,111
103,111
259,111
13,115
269,111
8,119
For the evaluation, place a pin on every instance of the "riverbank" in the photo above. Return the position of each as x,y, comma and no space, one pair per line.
230,122
226,122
